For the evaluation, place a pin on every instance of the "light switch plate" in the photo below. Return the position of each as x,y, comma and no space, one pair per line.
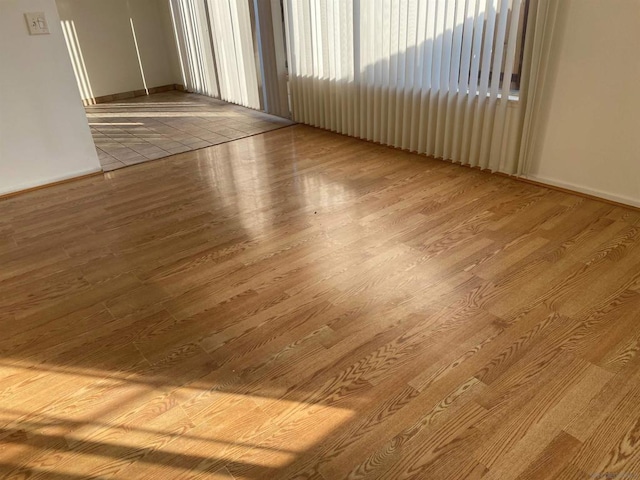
37,23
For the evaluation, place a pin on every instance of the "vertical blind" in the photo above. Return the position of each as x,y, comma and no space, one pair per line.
231,28
216,49
194,47
430,76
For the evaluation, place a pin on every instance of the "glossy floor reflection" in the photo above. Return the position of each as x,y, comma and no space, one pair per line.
300,304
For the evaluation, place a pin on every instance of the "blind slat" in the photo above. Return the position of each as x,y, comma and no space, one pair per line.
422,75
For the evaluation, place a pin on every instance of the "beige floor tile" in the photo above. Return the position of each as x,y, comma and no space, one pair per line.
136,130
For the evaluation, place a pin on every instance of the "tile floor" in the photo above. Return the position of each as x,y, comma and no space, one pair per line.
156,126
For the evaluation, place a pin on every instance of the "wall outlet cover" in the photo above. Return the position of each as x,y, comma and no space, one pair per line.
37,23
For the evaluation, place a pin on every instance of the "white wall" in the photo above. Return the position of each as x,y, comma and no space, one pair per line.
172,48
590,132
44,133
155,43
104,34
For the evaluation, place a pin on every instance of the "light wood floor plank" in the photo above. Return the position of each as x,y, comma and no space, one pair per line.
300,304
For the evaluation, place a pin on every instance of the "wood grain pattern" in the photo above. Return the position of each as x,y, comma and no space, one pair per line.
305,305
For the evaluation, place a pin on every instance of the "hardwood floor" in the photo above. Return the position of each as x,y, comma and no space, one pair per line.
301,304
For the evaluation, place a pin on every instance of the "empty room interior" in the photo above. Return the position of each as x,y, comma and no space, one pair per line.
319,239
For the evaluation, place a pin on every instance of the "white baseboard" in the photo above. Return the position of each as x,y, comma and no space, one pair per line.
50,180
586,190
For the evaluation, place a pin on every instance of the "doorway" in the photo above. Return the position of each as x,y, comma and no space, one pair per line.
159,78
